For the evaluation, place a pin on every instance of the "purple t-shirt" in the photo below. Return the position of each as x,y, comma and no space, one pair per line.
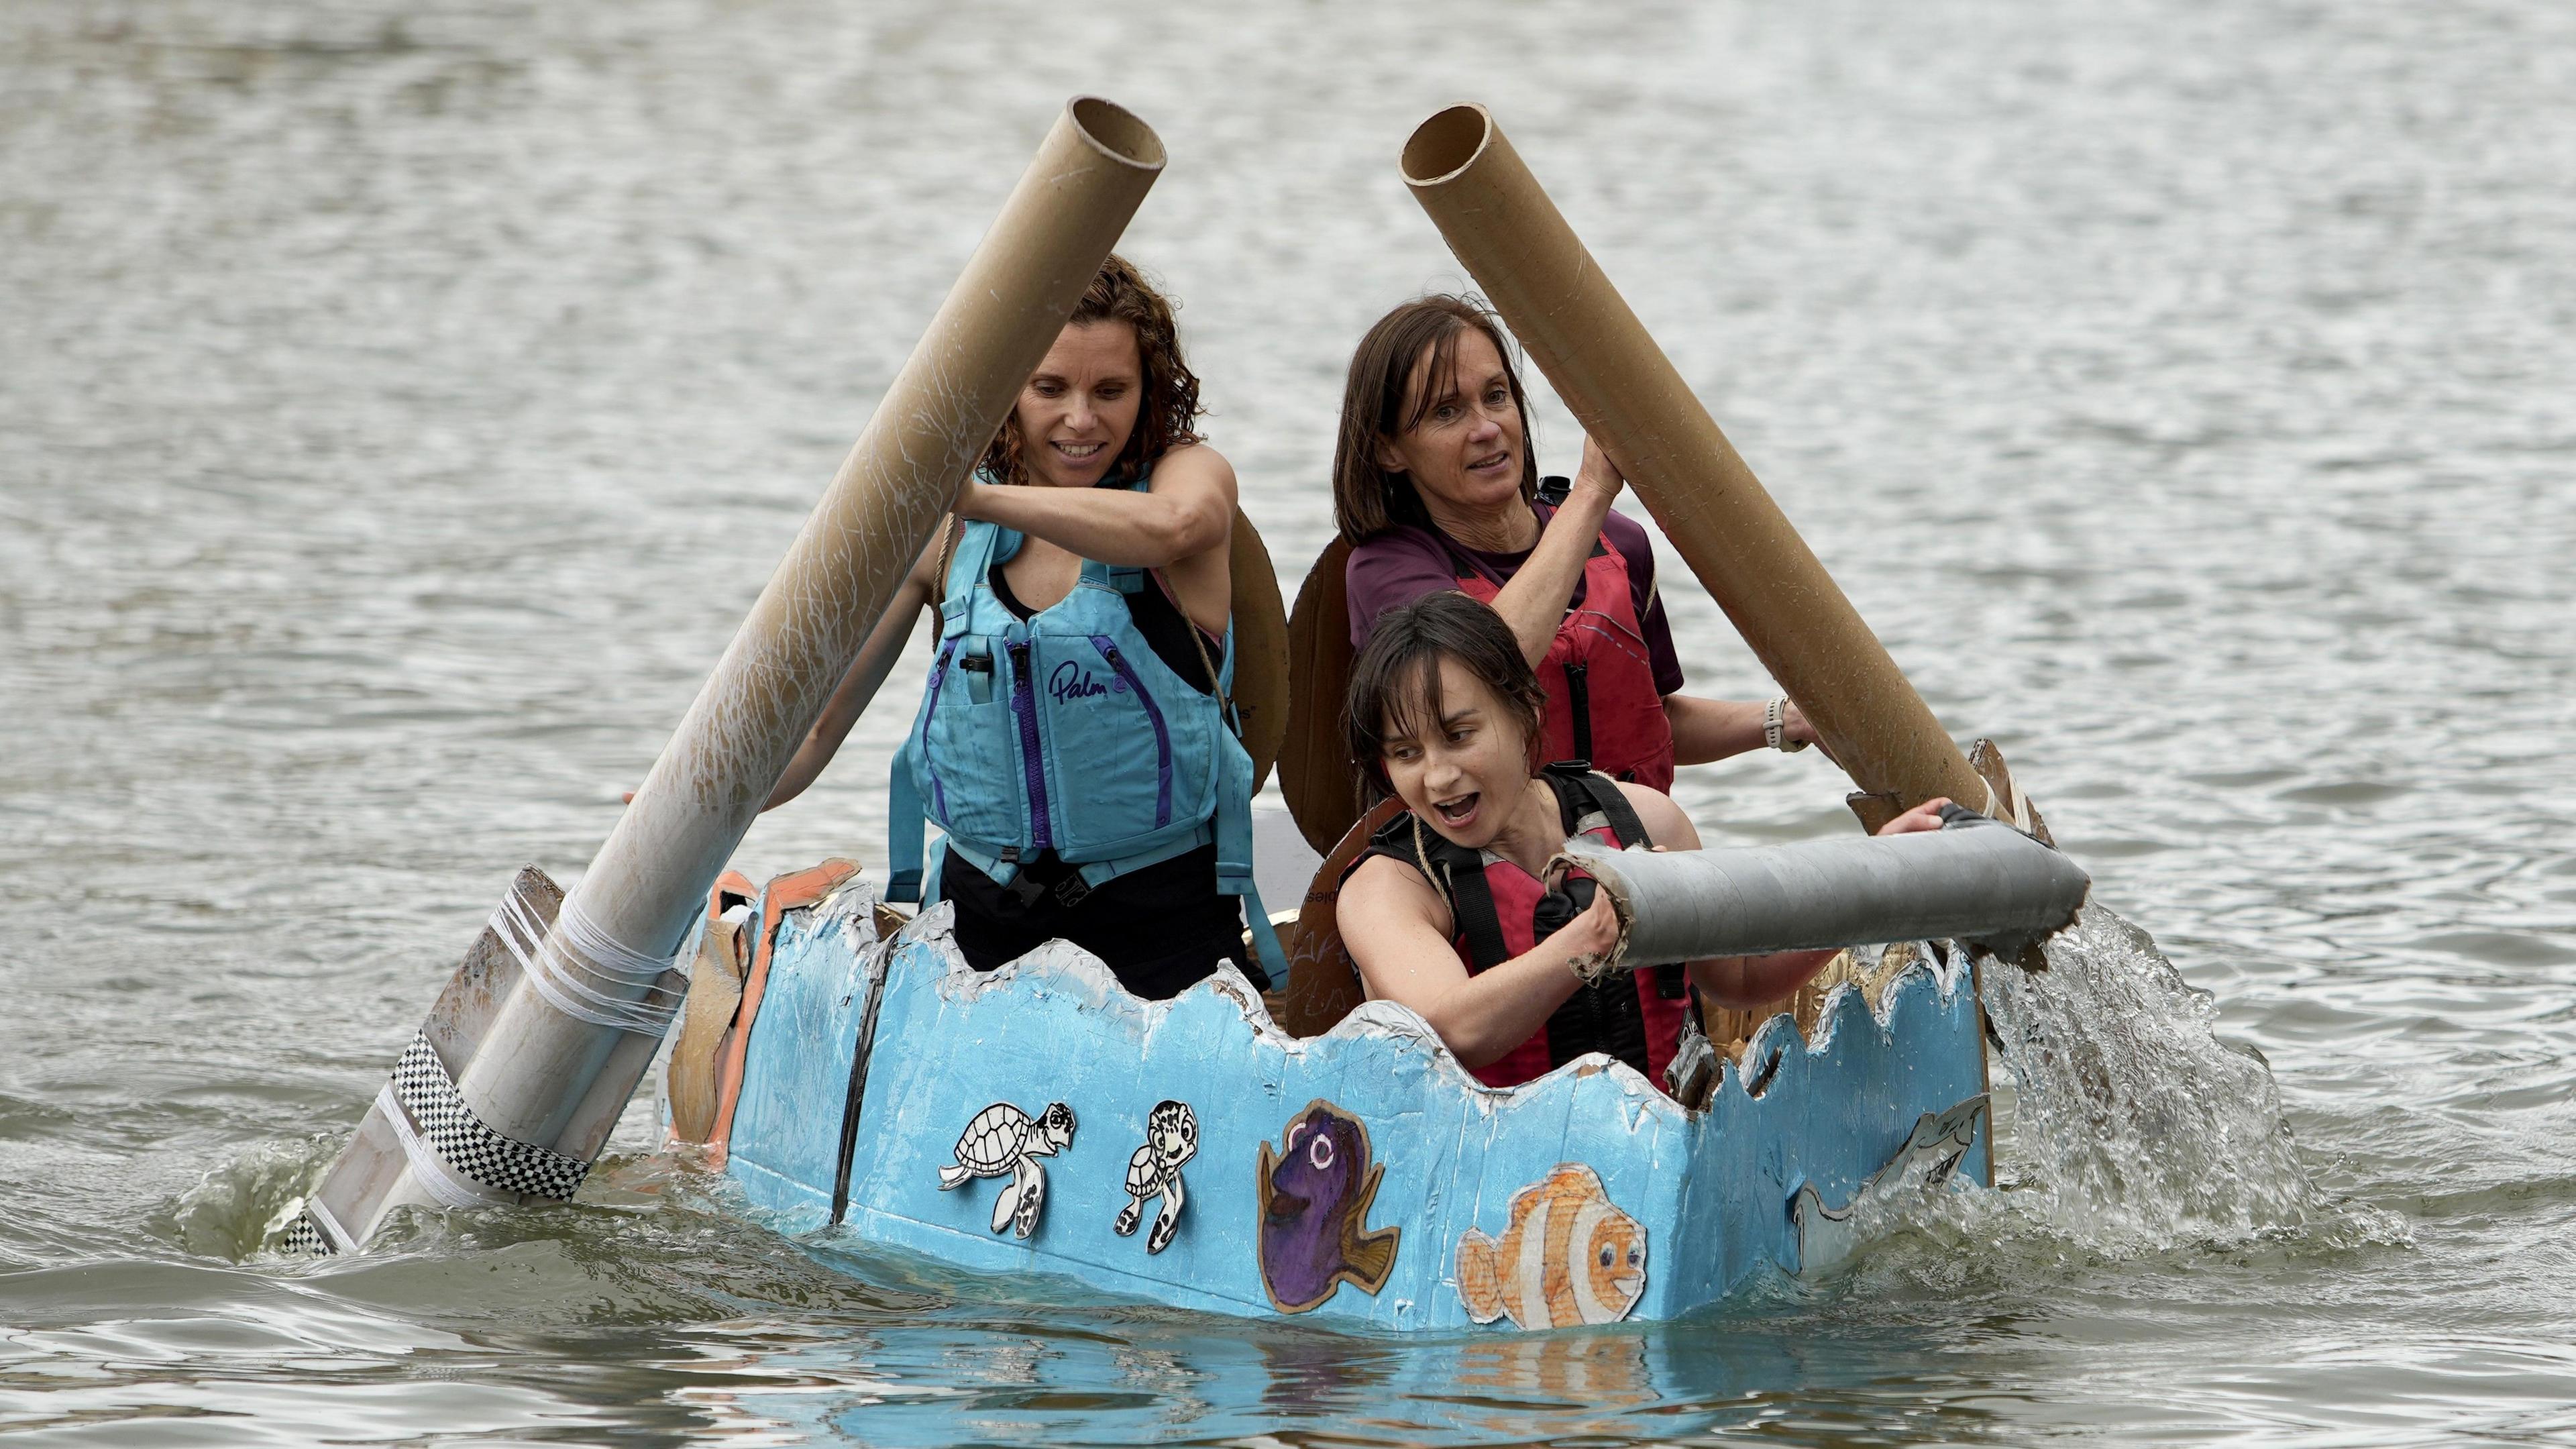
1404,563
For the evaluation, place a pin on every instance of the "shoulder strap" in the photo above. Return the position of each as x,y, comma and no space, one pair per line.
1233,834
1471,910
1591,787
1458,874
904,829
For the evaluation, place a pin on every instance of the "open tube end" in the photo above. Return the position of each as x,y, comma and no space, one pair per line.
1447,144
1116,132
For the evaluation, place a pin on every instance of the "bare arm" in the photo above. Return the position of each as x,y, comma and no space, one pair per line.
1188,511
1712,729
1752,981
866,675
1533,603
1397,929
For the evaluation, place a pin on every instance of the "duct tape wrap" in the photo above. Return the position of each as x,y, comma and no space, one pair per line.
463,1142
304,1236
1974,881
315,1232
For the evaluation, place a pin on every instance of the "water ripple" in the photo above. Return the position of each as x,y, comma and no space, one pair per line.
402,404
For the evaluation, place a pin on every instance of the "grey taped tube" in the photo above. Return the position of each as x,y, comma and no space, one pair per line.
1974,881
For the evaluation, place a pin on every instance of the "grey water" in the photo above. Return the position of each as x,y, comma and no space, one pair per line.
400,405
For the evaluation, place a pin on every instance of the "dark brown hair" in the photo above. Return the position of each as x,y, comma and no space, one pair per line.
1380,404
1395,683
1170,404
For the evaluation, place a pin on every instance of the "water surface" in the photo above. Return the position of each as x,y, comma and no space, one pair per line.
401,404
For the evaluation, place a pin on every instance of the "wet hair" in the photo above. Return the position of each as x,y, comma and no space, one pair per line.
1170,407
1395,683
1381,404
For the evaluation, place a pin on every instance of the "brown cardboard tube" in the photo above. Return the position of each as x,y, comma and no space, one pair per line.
1626,394
536,1065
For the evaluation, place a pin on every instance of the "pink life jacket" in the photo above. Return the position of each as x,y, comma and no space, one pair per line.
1500,911
1602,707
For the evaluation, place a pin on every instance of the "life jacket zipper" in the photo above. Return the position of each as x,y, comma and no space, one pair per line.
1578,701
1162,731
1024,708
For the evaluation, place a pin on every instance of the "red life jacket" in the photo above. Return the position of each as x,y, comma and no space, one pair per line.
1500,911
1602,707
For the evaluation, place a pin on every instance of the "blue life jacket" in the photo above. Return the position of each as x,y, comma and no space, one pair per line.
1067,732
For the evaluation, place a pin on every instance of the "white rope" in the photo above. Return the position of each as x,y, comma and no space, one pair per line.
444,1184
606,952
611,996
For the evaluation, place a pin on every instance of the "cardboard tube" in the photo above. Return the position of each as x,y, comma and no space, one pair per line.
536,1064
1626,394
1975,881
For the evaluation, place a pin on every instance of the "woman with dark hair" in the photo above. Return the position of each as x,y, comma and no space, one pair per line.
1447,914
1072,741
1436,487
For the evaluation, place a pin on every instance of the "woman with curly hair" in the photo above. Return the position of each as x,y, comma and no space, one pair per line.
1072,741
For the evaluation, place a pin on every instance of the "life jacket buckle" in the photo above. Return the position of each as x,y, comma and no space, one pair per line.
1072,891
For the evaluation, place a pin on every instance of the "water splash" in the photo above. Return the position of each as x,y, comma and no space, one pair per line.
246,1199
2131,1125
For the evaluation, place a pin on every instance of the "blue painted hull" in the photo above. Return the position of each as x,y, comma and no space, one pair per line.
1713,1191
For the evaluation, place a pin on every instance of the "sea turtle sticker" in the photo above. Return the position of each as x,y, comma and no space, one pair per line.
1171,1138
1002,1139
1315,1192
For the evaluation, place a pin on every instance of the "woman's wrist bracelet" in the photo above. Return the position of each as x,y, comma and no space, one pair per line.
1775,727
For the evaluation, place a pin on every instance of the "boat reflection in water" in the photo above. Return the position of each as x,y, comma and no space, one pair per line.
1134,1380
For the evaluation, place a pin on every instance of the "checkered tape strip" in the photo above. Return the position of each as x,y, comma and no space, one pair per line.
425,1090
305,1236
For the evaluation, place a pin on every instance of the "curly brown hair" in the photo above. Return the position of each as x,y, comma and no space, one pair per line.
1171,391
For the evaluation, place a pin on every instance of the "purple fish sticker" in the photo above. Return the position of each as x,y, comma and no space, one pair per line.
1314,1194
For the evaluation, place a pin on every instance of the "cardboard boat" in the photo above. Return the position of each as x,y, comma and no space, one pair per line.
1037,1119
1360,1176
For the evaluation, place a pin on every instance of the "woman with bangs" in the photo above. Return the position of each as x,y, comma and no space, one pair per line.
1436,487
1447,914
1073,740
